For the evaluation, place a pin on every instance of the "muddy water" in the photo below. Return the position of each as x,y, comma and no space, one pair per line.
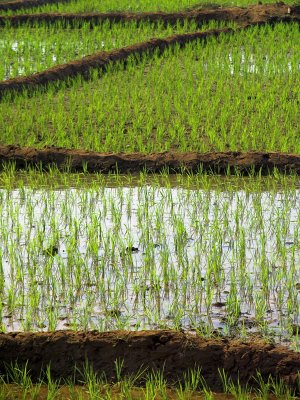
151,257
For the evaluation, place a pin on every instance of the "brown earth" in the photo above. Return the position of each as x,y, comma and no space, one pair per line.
20,4
81,160
171,351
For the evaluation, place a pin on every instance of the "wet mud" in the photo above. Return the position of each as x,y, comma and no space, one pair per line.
169,351
217,162
23,4
101,61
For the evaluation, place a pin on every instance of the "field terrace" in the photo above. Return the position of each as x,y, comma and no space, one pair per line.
149,197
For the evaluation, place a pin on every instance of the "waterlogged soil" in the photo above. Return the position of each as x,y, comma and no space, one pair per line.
80,160
166,350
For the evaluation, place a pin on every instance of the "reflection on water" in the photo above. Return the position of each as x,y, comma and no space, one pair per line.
150,257
252,64
30,61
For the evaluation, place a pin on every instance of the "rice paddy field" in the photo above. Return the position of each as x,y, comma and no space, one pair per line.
206,254
80,6
23,54
209,93
179,283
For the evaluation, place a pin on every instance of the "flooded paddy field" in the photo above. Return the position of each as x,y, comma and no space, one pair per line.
29,49
215,256
208,265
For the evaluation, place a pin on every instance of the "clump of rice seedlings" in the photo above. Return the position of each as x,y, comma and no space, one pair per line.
214,255
264,388
211,96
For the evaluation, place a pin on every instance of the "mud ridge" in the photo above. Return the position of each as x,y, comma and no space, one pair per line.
218,162
101,61
251,14
171,351
23,4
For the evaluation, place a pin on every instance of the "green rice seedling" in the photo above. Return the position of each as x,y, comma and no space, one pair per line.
193,383
192,380
21,377
119,366
280,390
126,384
52,386
264,388
225,380
236,390
3,388
92,381
156,385
208,395
239,392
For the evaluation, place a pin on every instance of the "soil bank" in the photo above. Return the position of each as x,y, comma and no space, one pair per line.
88,161
170,351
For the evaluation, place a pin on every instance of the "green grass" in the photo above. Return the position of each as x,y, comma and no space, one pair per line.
237,92
26,50
201,241
133,5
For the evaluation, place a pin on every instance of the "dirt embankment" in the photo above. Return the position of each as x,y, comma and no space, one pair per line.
23,4
248,15
80,160
101,61
170,351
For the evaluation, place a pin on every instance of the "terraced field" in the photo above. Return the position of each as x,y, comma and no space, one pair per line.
149,198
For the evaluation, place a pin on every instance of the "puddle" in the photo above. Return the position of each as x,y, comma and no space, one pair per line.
151,257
